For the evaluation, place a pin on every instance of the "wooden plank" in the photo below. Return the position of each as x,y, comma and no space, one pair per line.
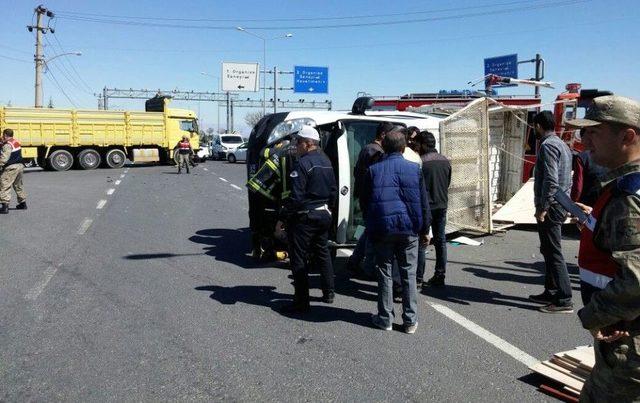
565,371
558,394
585,355
571,367
571,390
558,376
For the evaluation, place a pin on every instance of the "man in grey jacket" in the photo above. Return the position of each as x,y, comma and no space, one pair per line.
552,174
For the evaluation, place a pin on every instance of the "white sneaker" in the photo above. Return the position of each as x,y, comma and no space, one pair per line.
377,322
411,329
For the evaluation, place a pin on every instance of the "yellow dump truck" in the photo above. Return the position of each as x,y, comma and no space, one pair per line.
58,139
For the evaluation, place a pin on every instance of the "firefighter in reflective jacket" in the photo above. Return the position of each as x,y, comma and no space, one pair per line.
269,186
609,255
184,151
11,168
307,212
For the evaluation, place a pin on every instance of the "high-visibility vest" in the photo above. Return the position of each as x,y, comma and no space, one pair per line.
184,147
16,152
597,267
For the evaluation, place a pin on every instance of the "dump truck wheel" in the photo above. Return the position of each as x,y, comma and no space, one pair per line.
60,160
115,158
89,159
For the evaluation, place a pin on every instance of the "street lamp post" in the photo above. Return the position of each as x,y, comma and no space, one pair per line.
264,63
40,62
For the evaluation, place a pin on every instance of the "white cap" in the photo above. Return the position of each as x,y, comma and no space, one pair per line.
308,132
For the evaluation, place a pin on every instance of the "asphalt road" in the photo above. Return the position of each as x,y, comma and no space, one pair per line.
146,292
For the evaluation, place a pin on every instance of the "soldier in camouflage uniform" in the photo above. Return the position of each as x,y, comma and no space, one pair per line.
11,168
609,256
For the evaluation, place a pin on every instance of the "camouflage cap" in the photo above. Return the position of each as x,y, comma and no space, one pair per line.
612,109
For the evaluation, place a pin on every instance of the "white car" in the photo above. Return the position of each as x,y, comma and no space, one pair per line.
239,154
204,152
225,143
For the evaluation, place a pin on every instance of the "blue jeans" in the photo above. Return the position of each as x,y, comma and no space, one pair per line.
438,224
404,248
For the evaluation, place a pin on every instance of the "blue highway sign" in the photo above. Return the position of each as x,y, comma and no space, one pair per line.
311,79
503,66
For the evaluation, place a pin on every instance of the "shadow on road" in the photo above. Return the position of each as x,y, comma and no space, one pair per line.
267,296
227,245
147,256
466,295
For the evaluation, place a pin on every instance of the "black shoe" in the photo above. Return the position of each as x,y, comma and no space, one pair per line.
4,208
22,206
436,281
328,297
553,308
544,298
295,308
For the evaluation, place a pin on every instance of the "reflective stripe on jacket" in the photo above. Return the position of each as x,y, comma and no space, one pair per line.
597,266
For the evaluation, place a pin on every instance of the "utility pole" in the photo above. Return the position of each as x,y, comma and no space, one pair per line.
39,57
275,89
231,115
539,73
105,100
228,110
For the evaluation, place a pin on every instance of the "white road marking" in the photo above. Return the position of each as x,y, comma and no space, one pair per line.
206,169
122,176
110,191
236,187
223,179
117,182
84,226
35,292
126,170
486,335
101,204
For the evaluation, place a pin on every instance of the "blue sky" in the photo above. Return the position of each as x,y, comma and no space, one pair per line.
594,42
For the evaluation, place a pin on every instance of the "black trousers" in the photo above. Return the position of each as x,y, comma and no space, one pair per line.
309,250
556,279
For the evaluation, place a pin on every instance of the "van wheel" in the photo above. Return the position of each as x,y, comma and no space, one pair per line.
60,160
115,158
231,158
89,159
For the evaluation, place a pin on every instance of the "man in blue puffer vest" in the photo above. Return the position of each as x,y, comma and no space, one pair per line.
396,211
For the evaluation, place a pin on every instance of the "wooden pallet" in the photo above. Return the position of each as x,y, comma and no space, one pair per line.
568,368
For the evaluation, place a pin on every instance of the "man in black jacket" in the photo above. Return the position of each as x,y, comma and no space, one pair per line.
436,170
308,215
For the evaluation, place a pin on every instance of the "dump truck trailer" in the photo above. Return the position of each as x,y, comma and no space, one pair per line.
58,139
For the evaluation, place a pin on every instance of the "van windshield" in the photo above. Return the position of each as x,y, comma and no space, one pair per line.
231,139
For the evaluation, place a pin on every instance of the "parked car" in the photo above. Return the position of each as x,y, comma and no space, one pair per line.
239,154
225,143
204,152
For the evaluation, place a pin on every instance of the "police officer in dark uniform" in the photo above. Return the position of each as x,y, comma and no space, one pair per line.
307,212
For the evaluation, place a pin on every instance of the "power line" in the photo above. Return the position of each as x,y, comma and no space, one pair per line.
89,90
368,45
64,70
442,10
14,49
55,81
352,25
15,59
